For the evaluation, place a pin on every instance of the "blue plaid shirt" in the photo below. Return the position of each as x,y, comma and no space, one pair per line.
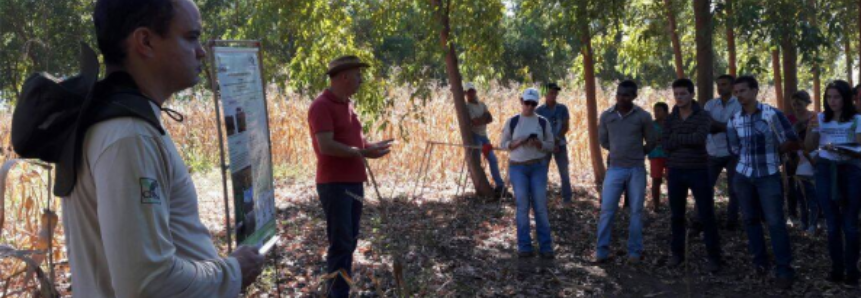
756,138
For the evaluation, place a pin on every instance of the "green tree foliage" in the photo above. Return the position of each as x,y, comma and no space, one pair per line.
510,40
40,36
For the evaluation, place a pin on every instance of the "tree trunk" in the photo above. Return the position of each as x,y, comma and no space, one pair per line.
847,47
859,46
591,98
817,84
705,53
790,73
730,39
674,36
476,172
778,85
817,87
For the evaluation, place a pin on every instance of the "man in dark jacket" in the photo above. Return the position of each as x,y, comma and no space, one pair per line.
684,140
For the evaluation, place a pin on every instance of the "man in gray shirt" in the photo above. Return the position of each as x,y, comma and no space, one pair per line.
721,110
622,131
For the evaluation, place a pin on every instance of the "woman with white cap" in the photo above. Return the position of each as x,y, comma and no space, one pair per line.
530,139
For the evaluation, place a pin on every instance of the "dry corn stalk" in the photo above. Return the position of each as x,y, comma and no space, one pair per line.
46,287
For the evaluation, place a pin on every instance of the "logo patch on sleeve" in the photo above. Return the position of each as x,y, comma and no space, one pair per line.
150,191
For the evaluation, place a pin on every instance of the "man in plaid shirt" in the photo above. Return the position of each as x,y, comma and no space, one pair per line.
759,135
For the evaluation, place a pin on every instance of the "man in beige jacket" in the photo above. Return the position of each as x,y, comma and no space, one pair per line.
132,222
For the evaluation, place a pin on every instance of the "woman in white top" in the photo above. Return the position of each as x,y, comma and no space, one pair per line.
838,174
530,139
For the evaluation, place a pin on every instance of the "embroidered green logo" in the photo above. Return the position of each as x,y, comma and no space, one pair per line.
149,191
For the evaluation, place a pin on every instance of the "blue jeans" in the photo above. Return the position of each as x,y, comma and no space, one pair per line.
803,197
561,158
491,160
618,179
530,189
841,215
716,166
343,214
679,181
763,197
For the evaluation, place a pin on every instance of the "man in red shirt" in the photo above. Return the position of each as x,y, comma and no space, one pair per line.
340,146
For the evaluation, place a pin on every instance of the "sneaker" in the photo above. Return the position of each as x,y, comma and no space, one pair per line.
713,266
793,222
525,254
675,261
783,283
633,260
547,255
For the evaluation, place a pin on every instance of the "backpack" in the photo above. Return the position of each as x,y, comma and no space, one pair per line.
514,120
51,117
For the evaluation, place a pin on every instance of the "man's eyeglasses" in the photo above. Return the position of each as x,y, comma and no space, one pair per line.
530,103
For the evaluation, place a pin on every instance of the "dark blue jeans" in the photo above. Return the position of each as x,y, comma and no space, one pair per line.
716,166
841,215
343,213
763,197
679,181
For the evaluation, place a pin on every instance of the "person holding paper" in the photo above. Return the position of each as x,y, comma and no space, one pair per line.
837,177
341,148
132,221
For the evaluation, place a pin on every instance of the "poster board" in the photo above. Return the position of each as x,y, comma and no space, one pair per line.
243,120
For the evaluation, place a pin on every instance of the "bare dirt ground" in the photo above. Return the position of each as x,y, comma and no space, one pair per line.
445,246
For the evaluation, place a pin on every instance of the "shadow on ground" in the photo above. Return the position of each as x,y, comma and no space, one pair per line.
466,247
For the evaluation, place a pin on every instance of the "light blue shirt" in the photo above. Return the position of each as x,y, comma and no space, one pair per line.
557,116
716,144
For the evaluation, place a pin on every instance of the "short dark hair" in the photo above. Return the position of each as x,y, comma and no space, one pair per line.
662,105
751,82
726,77
857,88
116,19
629,84
845,91
802,96
684,82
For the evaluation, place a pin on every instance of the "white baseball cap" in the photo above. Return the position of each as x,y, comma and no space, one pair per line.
531,94
468,86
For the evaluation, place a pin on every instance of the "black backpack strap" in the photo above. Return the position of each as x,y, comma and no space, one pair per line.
113,105
128,104
513,124
543,123
516,119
